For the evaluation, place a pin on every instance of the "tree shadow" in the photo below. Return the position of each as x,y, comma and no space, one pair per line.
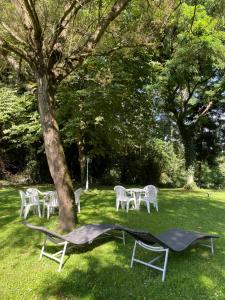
101,270
97,277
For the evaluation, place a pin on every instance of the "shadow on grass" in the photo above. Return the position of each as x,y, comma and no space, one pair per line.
101,271
97,277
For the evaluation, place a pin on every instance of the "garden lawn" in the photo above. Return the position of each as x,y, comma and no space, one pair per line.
102,270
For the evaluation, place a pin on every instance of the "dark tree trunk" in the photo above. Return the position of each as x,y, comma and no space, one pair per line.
82,161
55,153
187,135
199,173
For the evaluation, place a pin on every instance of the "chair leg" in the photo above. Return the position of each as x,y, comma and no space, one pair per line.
150,263
123,237
156,205
39,211
148,206
78,207
21,210
62,257
48,211
165,265
133,254
43,247
127,206
27,208
212,246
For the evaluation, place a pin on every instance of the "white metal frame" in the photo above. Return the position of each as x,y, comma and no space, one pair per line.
123,237
210,245
65,246
62,252
164,251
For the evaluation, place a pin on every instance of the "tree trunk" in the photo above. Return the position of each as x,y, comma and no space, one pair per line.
55,153
187,136
190,176
199,173
82,161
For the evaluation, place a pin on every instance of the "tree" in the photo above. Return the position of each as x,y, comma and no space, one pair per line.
53,39
20,132
190,69
105,111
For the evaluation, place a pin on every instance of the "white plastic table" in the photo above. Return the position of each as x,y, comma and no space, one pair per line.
136,192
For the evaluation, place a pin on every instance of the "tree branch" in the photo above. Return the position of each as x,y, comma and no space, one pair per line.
60,29
30,8
13,34
10,60
77,56
120,47
190,94
193,18
25,21
5,47
205,110
104,23
69,13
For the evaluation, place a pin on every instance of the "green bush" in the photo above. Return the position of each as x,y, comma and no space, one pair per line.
110,178
190,186
213,177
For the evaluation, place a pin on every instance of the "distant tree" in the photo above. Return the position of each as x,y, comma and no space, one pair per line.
20,130
106,111
190,68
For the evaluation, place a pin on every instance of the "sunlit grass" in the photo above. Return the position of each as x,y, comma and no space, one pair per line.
101,271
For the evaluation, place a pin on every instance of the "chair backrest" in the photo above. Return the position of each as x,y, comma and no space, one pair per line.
77,195
151,191
52,199
120,192
23,197
33,195
32,191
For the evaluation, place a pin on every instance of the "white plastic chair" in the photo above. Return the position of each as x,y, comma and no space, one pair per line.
123,198
27,201
77,198
150,196
36,193
51,203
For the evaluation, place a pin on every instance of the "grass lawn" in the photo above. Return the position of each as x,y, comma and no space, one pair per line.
102,271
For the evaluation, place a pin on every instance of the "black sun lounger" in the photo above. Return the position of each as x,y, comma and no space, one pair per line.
176,240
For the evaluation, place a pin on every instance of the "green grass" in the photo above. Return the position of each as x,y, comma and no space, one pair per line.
102,271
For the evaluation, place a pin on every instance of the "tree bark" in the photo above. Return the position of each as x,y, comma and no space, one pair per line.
82,161
55,153
187,135
199,173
